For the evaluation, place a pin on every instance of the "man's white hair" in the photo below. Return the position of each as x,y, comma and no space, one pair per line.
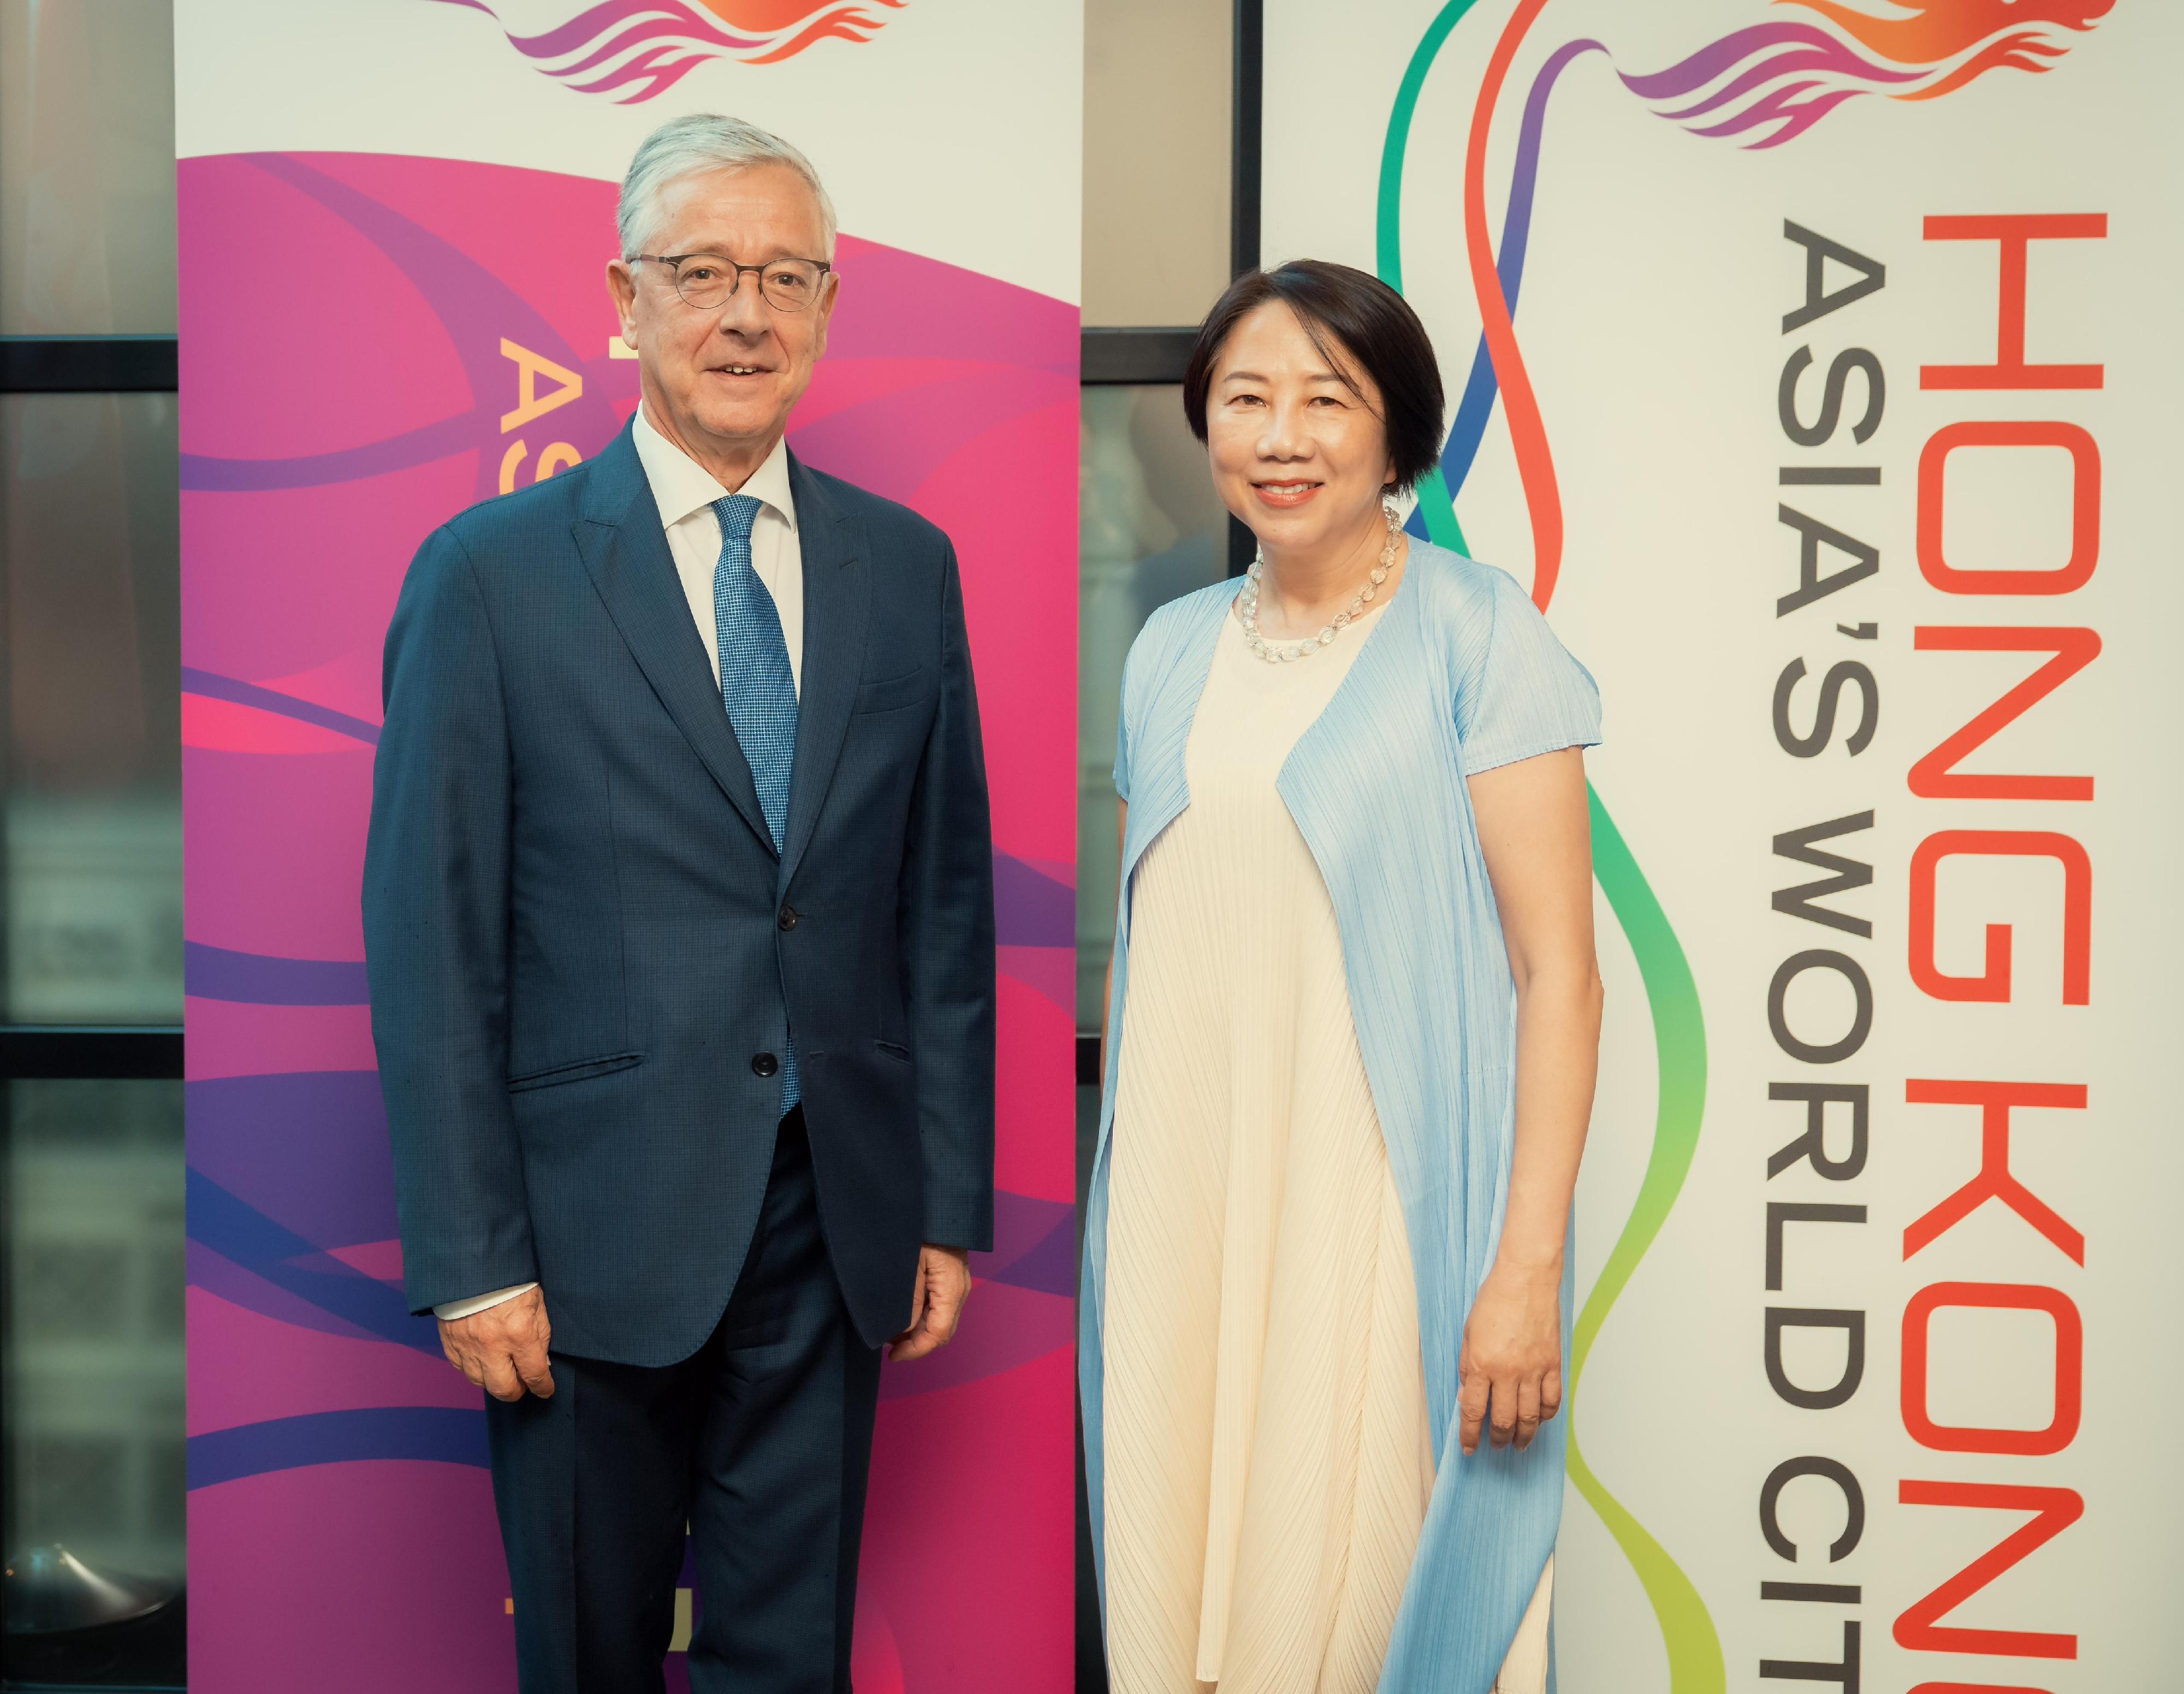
701,142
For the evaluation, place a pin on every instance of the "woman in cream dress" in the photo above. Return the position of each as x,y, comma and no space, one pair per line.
1353,1033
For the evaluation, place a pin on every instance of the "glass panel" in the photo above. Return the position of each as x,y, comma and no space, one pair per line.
89,570
86,168
93,1382
1158,79
1150,528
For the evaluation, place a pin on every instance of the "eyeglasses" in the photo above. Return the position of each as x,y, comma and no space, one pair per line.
708,282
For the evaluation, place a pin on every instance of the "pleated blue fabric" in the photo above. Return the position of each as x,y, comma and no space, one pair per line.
1461,674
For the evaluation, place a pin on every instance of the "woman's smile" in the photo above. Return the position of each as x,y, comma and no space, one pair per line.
1293,493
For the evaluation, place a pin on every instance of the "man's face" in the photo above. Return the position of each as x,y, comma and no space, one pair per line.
721,382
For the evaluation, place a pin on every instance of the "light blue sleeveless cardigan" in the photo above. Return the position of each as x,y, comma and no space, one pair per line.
1460,673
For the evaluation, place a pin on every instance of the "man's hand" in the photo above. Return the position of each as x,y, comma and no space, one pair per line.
943,1283
503,1348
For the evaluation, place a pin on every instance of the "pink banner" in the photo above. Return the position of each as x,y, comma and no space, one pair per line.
369,344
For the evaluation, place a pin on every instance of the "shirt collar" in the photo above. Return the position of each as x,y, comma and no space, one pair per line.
681,485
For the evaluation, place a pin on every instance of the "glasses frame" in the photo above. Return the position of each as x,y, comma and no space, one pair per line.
673,261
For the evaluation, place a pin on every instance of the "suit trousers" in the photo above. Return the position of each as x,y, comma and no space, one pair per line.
759,1442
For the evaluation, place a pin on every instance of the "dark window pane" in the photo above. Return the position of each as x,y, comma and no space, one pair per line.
70,1291
93,1367
1149,529
86,168
89,570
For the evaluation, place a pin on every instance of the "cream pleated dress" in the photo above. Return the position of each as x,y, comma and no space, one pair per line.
1268,1459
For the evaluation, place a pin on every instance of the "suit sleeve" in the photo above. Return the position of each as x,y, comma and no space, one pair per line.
436,892
947,906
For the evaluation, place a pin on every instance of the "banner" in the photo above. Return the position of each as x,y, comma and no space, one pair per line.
1815,362
394,219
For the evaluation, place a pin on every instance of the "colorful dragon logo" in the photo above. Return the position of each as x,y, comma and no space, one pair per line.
646,47
1767,84
1782,78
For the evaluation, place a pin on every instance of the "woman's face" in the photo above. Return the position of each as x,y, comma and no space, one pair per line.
1297,454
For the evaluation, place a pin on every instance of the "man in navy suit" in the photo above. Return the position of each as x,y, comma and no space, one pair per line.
678,906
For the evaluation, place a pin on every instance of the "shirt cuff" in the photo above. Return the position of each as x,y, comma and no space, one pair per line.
448,1310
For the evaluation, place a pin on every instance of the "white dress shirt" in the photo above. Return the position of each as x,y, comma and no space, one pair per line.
685,491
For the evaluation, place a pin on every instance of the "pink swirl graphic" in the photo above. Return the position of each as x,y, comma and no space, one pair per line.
649,46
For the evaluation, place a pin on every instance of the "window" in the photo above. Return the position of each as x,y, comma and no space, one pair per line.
1149,529
92,1379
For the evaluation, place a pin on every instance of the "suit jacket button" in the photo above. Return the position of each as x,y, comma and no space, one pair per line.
789,917
764,1064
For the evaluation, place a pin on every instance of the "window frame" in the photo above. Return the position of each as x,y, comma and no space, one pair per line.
83,1052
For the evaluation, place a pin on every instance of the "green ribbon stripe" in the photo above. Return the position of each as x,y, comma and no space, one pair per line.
1687,1631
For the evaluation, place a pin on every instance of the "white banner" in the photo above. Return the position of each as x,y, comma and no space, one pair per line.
1821,363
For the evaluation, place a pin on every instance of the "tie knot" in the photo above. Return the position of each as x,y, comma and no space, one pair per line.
737,514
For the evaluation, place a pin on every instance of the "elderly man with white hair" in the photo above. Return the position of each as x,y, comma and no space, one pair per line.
678,907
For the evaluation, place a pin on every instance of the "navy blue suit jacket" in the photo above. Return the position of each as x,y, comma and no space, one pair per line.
584,950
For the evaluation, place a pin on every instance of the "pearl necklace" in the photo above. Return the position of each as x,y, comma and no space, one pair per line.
1285,652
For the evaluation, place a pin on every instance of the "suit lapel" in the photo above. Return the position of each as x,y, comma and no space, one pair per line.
836,595
625,547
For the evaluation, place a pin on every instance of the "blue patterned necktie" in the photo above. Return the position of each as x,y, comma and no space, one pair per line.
758,687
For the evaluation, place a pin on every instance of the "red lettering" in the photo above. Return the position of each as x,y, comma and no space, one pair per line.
2070,1368
1973,1688
1935,777
2013,231
2085,507
1923,1626
1994,983
2054,1509
1994,1180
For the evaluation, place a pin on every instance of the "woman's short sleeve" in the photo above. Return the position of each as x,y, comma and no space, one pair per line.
1521,693
1122,730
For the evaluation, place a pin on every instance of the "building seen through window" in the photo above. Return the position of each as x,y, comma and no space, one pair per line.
92,1470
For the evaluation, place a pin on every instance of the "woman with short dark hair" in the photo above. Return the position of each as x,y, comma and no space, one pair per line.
1353,1028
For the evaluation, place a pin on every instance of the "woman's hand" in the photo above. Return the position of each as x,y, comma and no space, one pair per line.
1511,1360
